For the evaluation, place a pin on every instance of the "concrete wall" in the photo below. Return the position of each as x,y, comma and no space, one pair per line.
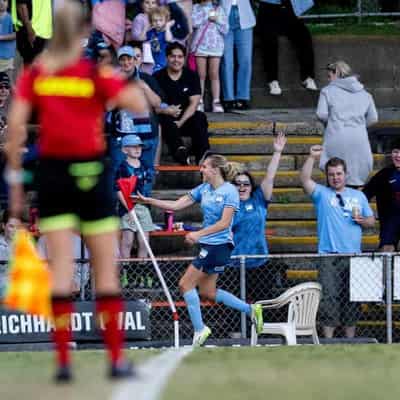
375,58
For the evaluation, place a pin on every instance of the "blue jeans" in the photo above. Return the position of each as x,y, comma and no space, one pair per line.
241,41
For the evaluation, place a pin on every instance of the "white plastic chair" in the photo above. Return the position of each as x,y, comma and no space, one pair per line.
303,301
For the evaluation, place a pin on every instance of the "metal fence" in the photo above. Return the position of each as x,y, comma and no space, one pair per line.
360,294
355,8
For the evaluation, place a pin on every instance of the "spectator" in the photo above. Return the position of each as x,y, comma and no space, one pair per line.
346,109
143,58
81,270
249,222
5,90
132,147
7,39
385,186
219,201
178,117
210,25
141,23
122,122
9,226
104,54
281,17
32,32
341,213
159,35
239,41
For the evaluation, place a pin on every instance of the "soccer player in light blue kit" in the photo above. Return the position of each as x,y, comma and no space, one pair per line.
219,201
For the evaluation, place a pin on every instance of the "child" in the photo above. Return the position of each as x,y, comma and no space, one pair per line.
9,226
132,147
141,23
211,25
7,39
160,35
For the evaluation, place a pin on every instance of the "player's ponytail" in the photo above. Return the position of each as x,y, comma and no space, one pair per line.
227,169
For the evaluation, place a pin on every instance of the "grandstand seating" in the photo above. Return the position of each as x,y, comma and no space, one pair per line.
291,222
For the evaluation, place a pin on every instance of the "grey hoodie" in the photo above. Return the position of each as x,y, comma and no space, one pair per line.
346,109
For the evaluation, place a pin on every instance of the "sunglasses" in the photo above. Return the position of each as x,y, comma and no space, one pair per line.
242,183
340,199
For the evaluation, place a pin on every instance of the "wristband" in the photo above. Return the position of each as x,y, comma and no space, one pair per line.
13,176
163,106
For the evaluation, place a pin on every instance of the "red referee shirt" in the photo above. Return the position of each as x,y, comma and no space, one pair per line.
70,105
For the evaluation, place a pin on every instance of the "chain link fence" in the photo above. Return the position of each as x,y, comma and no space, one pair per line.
360,294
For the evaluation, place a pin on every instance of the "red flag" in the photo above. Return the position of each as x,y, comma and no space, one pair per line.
127,186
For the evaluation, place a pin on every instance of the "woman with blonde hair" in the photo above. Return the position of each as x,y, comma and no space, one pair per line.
69,95
346,109
219,200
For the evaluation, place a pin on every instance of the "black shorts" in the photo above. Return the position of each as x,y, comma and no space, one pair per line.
390,231
77,195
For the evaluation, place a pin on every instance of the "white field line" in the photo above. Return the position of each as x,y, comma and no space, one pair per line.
152,376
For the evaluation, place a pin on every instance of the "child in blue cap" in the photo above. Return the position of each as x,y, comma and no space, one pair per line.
132,166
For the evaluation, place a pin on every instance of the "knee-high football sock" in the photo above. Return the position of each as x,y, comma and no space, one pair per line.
192,300
108,308
62,309
222,296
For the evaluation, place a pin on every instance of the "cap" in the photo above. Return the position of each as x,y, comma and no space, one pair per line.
5,79
131,140
126,51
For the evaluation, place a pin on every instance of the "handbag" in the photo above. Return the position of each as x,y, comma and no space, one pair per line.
191,60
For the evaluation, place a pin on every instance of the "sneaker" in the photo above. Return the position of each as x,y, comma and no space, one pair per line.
217,107
229,105
310,84
274,88
121,370
257,317
242,105
200,107
63,374
200,337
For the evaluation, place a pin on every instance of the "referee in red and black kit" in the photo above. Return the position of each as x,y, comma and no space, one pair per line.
69,95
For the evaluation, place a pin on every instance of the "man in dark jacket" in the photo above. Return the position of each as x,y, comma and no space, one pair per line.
385,186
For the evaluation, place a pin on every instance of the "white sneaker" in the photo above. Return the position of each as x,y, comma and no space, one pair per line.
274,88
217,107
200,337
200,107
310,84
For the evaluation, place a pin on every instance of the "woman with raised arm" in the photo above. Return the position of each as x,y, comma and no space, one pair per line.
219,200
69,95
249,222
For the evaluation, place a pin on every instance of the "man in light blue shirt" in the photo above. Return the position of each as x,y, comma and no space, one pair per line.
341,214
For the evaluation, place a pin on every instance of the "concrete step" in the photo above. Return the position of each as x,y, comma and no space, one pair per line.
168,245
173,179
303,228
290,161
241,126
295,211
261,144
308,244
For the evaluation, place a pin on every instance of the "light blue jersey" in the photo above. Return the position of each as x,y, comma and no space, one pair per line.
212,202
337,232
249,229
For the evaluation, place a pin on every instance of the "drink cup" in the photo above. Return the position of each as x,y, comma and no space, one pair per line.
355,212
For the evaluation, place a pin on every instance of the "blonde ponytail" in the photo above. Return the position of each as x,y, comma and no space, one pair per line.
70,23
228,169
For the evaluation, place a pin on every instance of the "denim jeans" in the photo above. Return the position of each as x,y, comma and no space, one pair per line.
241,41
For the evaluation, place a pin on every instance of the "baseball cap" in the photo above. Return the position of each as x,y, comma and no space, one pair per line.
4,79
131,140
126,51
